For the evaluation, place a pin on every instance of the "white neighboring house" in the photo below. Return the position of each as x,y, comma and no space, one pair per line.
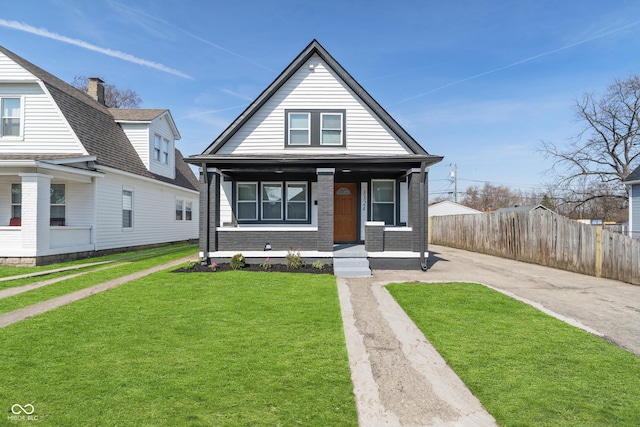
77,177
447,207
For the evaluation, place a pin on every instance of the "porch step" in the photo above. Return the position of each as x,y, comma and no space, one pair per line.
351,267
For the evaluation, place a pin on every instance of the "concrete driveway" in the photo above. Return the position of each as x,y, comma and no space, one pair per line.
400,379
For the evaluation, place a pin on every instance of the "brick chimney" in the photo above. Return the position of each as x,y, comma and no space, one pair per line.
95,89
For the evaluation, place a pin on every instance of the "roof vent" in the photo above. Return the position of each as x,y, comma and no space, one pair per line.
95,89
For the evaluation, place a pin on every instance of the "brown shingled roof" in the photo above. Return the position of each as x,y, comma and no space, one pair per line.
95,126
135,114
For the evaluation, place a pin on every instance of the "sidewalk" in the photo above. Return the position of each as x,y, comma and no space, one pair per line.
400,379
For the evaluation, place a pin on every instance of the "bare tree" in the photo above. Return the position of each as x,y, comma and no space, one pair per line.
490,197
604,152
113,96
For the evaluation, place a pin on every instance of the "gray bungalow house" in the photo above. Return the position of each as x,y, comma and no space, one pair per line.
314,162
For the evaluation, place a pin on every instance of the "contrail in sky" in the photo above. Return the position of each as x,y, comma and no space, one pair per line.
522,61
110,52
193,36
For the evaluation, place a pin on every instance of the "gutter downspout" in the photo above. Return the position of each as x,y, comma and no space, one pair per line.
204,219
423,215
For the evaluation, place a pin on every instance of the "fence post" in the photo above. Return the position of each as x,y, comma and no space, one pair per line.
598,251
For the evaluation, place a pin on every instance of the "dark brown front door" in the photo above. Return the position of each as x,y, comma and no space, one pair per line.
345,215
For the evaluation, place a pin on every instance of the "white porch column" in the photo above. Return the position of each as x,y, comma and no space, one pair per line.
36,199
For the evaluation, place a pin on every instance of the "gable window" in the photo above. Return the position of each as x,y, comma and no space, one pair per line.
383,201
316,128
16,204
179,209
188,211
161,149
58,204
247,201
299,129
127,209
331,129
296,200
272,200
11,116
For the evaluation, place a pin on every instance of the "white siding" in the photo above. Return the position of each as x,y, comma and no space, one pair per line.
226,215
161,127
317,89
11,71
45,130
634,211
138,134
153,213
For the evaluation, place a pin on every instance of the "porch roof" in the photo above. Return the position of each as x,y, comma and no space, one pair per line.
307,163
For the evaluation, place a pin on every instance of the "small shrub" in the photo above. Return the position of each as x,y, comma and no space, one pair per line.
265,264
318,265
238,261
294,260
213,266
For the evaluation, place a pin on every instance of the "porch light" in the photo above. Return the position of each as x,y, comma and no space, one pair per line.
267,247
346,170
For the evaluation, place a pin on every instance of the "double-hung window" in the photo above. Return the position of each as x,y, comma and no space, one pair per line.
179,209
188,211
331,132
127,209
58,204
272,200
315,128
161,149
383,201
11,117
247,201
16,201
299,129
297,201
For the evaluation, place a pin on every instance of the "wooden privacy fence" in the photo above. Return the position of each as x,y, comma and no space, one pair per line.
544,238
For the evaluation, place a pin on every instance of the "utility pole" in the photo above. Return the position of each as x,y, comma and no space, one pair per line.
454,175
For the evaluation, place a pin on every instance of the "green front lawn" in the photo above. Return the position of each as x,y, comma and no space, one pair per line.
224,349
120,269
527,368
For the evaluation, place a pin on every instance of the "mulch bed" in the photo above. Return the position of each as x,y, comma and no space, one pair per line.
277,268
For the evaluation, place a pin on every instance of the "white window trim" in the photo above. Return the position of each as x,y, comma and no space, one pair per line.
51,205
131,190
182,213
263,201
188,207
157,147
165,151
20,136
341,142
306,200
308,128
256,201
373,197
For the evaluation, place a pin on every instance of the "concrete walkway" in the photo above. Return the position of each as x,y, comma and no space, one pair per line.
42,307
400,379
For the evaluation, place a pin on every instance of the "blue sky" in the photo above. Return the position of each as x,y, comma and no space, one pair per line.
479,82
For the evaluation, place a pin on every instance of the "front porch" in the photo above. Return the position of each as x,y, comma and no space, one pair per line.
46,210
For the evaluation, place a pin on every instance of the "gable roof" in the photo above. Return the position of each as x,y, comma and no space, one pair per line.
314,48
96,128
634,177
141,115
